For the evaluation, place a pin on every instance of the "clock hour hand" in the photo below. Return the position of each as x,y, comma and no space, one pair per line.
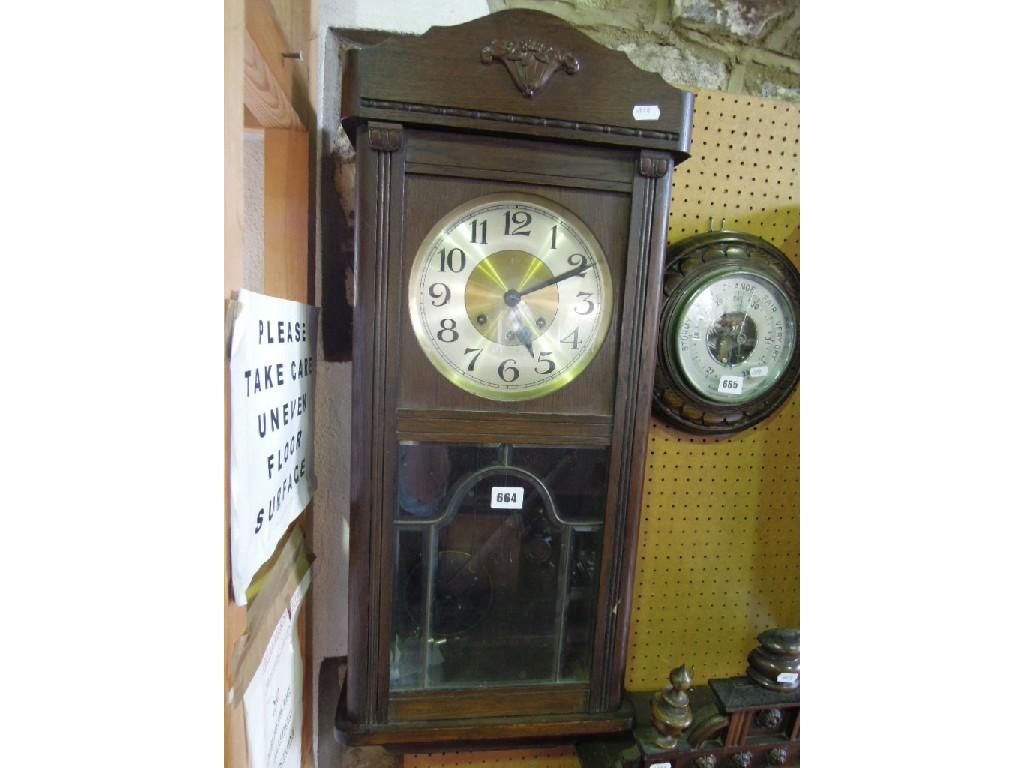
524,337
557,278
521,331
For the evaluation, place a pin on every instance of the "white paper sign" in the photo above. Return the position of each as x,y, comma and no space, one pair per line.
759,371
272,367
273,700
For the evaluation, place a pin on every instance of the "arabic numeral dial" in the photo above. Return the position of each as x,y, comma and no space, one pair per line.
510,298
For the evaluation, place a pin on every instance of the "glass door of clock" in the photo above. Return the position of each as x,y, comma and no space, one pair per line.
497,554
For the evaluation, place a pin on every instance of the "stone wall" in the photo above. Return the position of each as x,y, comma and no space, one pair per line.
738,46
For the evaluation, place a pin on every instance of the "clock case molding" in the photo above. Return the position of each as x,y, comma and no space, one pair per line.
513,102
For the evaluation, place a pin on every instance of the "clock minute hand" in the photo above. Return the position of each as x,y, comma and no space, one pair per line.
558,278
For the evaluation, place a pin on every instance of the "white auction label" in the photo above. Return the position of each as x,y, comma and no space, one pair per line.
787,677
731,385
646,112
507,498
759,372
661,765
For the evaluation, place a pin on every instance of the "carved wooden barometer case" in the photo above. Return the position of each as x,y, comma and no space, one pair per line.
513,189
730,347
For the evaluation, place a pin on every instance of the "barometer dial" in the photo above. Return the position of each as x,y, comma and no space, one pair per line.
735,336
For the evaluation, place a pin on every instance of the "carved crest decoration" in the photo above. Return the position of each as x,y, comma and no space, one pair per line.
530,62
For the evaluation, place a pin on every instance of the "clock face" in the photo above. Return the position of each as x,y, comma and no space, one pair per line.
734,336
510,297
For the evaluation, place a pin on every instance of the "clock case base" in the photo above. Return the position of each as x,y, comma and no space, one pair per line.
482,732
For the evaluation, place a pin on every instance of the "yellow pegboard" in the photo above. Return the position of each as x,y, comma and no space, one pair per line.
719,547
744,169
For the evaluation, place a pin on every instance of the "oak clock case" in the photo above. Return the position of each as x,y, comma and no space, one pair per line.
729,342
508,264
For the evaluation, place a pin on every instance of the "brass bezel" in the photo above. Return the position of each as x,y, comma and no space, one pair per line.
568,375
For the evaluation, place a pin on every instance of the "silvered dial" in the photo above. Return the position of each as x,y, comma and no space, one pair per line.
735,336
510,297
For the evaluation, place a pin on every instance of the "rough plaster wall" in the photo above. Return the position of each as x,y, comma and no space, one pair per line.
330,508
252,236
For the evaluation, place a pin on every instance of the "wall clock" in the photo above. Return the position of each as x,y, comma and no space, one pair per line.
729,352
513,185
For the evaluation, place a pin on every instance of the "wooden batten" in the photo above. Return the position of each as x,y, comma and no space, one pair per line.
288,75
286,214
265,100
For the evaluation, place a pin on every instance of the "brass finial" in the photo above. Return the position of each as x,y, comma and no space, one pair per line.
670,709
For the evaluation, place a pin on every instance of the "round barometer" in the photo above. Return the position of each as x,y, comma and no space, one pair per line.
729,333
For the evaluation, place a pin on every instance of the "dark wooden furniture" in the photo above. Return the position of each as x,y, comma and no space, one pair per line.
470,623
736,724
